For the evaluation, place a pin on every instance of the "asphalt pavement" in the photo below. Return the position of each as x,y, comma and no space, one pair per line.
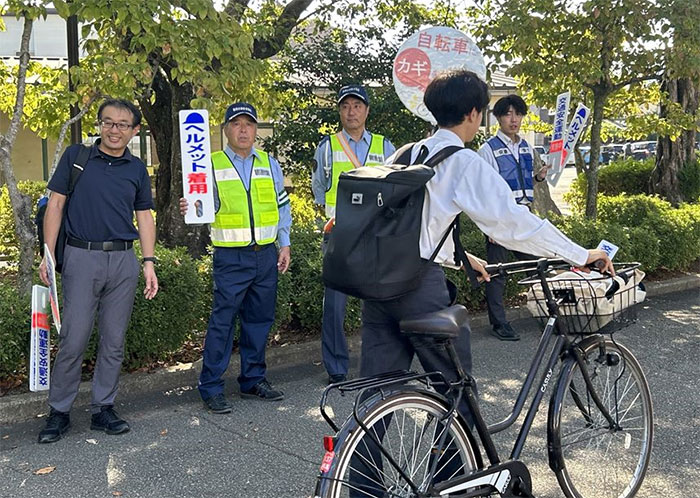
273,449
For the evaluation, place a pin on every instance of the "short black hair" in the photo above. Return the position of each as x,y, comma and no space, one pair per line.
454,94
504,103
121,104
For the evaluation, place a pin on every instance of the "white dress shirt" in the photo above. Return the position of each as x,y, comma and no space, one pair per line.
466,183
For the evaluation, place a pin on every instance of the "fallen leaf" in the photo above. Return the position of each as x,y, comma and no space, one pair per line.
45,470
91,441
317,363
6,436
163,432
116,493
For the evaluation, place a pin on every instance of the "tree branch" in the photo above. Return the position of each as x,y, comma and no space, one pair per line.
638,79
64,131
287,21
236,8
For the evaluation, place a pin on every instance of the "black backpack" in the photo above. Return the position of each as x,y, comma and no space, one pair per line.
78,167
373,250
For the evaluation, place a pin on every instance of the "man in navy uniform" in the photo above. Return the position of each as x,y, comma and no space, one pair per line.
252,213
352,147
511,156
100,270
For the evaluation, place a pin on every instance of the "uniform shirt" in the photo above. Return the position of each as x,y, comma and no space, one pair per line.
244,167
464,182
321,177
486,152
106,195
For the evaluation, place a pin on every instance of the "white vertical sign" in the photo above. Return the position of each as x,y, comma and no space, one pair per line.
197,171
40,343
556,145
578,122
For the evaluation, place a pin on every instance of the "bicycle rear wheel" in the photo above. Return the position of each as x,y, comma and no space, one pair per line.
589,457
409,426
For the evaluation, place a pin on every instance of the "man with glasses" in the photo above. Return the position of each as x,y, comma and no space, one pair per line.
100,270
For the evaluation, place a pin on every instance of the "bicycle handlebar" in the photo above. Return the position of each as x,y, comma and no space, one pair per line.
546,264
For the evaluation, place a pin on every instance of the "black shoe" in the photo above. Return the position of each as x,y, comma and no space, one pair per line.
335,378
505,332
57,424
218,404
108,421
263,390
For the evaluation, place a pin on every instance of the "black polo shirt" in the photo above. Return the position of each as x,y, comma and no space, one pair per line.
106,195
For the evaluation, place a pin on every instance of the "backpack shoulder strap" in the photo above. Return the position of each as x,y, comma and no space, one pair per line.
78,167
442,155
403,155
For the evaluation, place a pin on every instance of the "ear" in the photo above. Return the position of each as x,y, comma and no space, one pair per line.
474,116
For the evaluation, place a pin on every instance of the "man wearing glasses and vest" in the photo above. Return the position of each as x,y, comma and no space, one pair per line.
511,156
352,147
253,213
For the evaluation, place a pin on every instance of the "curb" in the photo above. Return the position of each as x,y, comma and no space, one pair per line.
23,407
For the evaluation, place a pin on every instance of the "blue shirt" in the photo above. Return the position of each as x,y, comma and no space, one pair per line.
244,167
106,195
322,175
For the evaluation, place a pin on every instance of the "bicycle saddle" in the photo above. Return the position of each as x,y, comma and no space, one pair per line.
441,324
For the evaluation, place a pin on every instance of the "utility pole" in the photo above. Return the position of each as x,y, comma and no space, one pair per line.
76,135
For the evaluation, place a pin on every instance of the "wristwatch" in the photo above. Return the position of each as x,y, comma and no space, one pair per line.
152,259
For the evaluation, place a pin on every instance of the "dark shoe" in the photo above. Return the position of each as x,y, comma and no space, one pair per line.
263,390
108,421
218,404
334,379
505,333
57,424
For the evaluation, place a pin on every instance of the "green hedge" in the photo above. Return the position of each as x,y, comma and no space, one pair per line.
8,240
15,322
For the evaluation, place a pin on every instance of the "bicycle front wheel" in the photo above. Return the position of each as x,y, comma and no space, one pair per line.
411,428
590,456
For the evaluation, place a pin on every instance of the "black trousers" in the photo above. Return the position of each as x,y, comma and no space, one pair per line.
496,253
385,349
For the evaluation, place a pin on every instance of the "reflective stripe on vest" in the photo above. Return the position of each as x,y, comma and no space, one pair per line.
341,162
518,174
234,225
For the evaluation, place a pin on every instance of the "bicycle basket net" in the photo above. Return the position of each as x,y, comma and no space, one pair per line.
589,302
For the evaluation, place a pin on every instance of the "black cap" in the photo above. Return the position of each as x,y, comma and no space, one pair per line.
353,91
240,108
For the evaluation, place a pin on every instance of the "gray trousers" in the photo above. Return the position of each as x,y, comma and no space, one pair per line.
334,345
93,281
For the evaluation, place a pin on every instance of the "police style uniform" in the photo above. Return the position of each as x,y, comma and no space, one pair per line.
100,270
513,161
330,160
253,212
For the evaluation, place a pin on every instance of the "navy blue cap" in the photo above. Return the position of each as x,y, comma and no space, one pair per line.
353,91
240,108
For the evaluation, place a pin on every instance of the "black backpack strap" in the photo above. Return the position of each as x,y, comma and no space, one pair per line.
403,155
460,254
442,155
78,167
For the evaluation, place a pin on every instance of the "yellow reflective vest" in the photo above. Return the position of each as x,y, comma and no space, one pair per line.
341,162
244,216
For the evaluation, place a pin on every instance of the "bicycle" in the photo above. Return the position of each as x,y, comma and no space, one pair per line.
405,439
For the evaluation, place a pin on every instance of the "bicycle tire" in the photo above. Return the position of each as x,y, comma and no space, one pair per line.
589,458
412,412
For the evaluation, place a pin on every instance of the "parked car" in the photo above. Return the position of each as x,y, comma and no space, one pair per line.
643,150
610,152
542,152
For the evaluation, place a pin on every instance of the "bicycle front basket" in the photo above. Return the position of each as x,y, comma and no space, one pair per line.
588,303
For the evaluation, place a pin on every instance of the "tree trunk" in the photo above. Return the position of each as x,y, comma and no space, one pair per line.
21,203
543,204
671,156
162,117
592,167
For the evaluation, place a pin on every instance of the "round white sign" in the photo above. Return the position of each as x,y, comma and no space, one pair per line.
427,53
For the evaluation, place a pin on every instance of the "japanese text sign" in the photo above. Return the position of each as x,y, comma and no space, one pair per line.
425,54
578,122
197,172
40,342
557,143
53,289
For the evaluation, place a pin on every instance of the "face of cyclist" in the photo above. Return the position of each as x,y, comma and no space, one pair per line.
510,123
353,114
240,133
116,130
